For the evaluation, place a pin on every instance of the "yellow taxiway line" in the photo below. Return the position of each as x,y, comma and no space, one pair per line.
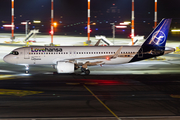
102,102
18,92
5,77
175,96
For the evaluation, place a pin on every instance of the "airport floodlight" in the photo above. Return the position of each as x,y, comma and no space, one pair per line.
36,21
125,23
94,23
12,26
121,26
24,23
175,30
55,24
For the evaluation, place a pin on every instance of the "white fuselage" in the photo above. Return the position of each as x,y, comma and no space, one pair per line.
43,55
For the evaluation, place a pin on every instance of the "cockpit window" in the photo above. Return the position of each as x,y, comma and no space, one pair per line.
15,53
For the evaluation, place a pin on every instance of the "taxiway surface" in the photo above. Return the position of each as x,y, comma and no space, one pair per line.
142,89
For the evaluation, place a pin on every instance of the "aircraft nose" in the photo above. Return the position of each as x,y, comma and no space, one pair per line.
6,59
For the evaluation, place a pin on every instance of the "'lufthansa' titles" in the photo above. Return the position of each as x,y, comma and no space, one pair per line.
46,49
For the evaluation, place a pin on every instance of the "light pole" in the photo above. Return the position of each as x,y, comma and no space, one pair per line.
27,22
113,28
52,24
88,22
155,14
132,25
12,19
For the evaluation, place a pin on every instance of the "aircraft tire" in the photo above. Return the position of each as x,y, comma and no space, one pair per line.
27,71
87,72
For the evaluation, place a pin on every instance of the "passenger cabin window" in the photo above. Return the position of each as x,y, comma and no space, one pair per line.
15,53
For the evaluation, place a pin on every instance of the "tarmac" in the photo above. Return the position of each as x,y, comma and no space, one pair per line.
145,90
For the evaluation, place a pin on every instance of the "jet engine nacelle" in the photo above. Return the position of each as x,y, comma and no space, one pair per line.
65,67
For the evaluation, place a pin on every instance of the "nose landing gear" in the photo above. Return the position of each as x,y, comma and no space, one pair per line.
27,69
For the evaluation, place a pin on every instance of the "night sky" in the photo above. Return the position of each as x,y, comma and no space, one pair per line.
40,9
71,12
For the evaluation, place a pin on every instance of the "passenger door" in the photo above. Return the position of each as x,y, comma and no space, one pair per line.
26,53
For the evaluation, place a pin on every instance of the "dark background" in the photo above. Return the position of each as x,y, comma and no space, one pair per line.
71,15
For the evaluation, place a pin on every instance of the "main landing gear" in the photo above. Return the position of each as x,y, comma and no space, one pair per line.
85,70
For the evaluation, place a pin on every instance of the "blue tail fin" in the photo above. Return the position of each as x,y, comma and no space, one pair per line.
159,35
155,42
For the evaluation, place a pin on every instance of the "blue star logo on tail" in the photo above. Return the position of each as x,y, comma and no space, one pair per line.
159,37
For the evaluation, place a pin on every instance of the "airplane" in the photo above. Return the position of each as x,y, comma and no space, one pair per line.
67,59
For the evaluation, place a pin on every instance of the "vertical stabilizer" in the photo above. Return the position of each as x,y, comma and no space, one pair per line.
159,35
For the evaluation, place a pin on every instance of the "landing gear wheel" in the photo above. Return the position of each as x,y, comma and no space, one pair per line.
76,67
27,71
87,72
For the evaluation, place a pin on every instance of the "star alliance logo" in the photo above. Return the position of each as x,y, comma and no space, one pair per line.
159,37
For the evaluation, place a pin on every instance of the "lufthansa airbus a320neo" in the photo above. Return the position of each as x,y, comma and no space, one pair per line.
67,59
